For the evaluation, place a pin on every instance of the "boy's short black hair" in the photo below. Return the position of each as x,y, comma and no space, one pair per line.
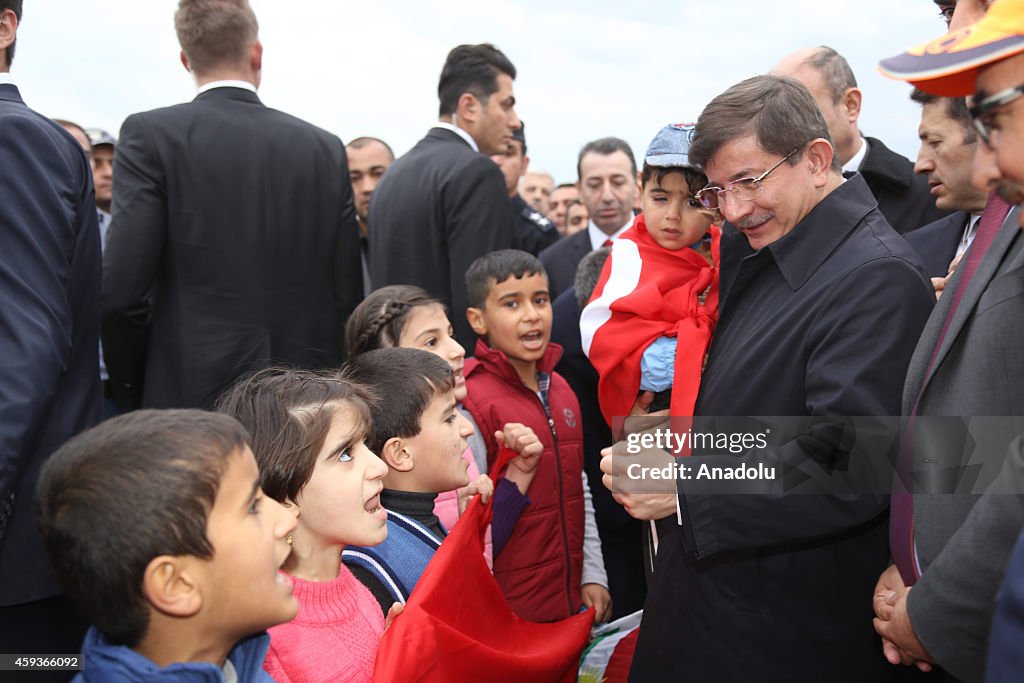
129,490
695,179
407,380
496,267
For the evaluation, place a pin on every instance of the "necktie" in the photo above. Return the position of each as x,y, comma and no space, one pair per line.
606,243
901,520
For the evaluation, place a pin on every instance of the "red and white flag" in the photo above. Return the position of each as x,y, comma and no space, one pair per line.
646,292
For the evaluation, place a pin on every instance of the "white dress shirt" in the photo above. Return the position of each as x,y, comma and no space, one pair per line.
244,85
598,236
458,131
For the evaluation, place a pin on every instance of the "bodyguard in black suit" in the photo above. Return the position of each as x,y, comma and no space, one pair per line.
443,204
49,327
237,220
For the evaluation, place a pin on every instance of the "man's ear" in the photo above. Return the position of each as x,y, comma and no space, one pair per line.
171,585
256,57
184,62
819,155
467,108
8,33
395,455
475,316
850,103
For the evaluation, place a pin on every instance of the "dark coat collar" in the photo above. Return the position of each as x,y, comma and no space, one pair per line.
886,166
802,251
10,93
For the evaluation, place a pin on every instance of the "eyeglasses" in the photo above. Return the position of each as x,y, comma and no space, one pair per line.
744,189
981,112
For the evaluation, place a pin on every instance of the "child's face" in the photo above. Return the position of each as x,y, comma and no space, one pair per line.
437,449
427,328
247,530
516,318
340,504
674,218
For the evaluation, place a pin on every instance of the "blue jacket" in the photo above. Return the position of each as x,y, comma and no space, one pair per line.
106,663
399,561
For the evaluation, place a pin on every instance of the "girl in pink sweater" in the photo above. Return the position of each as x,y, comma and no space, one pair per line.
307,434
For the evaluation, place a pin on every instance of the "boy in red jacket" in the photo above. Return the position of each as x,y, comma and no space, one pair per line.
552,564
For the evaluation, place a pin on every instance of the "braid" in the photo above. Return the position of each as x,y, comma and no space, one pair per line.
378,321
376,332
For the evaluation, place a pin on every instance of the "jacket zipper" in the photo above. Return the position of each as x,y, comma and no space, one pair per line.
561,504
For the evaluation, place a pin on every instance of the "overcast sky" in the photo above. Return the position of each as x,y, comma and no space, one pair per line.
586,68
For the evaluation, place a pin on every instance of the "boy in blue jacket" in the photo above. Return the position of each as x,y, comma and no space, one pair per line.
159,533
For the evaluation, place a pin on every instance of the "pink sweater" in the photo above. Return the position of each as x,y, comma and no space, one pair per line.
333,637
446,507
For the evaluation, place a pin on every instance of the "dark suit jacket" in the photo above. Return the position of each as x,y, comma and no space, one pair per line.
821,322
963,539
49,325
561,260
439,208
936,242
239,219
902,195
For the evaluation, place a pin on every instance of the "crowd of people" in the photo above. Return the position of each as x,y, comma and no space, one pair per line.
251,377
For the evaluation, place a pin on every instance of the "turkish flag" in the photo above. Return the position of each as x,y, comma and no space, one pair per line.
457,625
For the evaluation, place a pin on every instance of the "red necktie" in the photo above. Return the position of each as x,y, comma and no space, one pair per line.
901,521
606,243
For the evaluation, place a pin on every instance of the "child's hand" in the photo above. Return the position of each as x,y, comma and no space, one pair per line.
396,609
522,439
483,485
597,596
519,438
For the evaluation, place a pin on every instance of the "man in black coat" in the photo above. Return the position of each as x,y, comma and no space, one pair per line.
609,187
902,196
820,319
443,204
234,220
49,329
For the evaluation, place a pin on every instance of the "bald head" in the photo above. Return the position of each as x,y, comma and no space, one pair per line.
830,80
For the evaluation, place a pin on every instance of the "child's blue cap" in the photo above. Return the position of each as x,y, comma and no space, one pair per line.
671,146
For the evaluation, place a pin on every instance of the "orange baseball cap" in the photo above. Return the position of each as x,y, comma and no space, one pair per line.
949,65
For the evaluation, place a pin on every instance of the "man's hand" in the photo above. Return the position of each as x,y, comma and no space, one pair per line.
892,622
483,485
939,283
643,506
597,596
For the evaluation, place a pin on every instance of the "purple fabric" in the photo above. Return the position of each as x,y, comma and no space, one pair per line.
508,505
901,520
